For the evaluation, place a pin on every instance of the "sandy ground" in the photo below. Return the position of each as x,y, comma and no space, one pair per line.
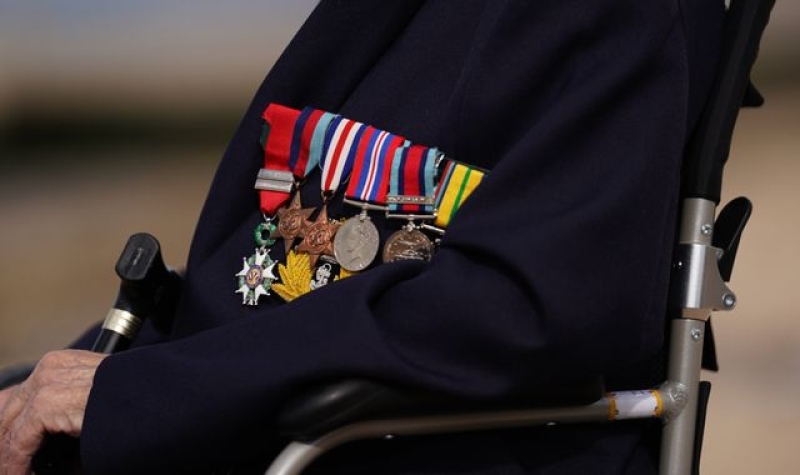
62,231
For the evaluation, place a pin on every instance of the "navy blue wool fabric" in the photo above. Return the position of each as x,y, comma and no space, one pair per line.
555,269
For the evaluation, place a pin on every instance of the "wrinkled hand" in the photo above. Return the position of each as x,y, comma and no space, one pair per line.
52,400
4,395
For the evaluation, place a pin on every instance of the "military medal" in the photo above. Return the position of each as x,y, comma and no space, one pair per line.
411,197
292,222
285,161
256,276
339,150
357,242
388,174
318,237
310,125
408,243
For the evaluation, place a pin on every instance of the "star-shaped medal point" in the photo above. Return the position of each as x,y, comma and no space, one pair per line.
318,237
292,222
255,278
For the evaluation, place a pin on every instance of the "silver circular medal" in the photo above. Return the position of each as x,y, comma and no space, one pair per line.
356,243
408,244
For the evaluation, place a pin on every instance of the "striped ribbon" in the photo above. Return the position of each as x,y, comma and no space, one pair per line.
301,160
458,181
317,144
411,182
386,168
341,145
371,170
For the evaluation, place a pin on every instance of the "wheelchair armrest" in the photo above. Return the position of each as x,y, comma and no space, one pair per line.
14,374
320,409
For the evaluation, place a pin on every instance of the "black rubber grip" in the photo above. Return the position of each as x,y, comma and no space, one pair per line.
708,148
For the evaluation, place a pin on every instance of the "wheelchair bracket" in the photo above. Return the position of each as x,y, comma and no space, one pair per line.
697,284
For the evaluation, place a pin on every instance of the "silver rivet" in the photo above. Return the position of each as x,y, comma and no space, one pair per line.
729,300
551,424
696,334
706,229
388,436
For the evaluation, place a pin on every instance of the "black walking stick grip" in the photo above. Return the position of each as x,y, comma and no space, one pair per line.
146,285
708,148
148,289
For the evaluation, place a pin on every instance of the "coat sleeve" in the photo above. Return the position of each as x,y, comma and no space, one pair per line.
555,269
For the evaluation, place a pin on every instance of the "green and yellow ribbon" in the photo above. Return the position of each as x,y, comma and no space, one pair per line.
458,181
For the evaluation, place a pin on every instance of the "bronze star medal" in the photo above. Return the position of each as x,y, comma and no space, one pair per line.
318,238
292,222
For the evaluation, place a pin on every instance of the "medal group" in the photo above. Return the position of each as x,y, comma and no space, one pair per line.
377,171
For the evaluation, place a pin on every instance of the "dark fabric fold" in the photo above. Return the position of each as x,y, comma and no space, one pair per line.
555,269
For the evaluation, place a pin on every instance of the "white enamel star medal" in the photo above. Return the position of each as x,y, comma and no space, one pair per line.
256,277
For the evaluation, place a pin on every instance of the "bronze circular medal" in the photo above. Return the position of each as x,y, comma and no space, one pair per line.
408,244
356,244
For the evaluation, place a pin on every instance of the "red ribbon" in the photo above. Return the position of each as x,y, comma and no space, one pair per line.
281,121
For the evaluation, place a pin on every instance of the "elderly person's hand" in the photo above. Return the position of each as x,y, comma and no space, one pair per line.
52,400
4,395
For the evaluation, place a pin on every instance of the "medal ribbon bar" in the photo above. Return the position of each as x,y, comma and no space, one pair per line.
458,181
357,241
339,153
303,157
301,161
411,184
275,179
371,170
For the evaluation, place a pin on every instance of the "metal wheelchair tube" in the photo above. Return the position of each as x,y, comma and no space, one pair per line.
299,455
697,226
685,357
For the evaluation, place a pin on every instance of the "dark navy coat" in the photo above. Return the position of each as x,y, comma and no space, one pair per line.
555,269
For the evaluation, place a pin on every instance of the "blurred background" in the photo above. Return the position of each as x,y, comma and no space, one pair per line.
113,116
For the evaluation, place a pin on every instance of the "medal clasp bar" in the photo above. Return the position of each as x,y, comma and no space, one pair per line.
412,217
275,180
434,229
410,200
364,205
